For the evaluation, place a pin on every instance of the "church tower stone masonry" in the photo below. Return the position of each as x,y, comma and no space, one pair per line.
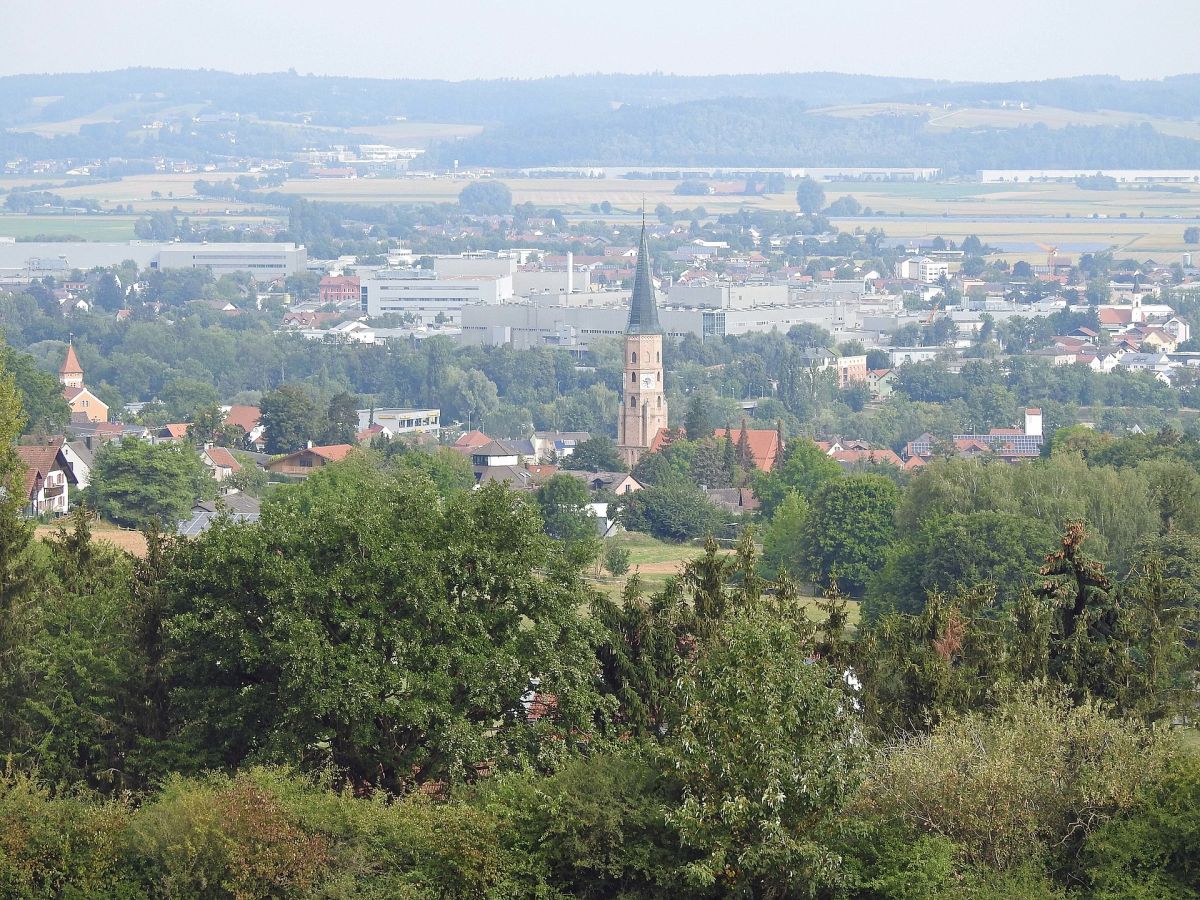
643,402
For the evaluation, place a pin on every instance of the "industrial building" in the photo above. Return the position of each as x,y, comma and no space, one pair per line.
35,259
429,296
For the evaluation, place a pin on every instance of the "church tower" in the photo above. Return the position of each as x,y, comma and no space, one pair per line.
70,374
643,404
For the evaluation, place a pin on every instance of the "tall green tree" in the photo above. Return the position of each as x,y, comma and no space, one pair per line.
763,771
289,418
377,630
563,501
849,528
341,419
134,482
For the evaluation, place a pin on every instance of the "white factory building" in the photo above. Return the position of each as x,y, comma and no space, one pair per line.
266,261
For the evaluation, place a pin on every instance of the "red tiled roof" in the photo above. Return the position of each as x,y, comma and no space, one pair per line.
39,460
71,393
472,440
245,417
849,457
223,458
70,364
1111,316
175,429
763,442
332,452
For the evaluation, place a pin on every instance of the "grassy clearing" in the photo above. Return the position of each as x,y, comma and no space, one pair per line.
416,134
90,228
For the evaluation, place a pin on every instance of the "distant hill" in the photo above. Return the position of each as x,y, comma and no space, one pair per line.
596,119
771,132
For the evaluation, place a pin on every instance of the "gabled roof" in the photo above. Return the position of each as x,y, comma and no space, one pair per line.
245,417
497,448
331,452
643,311
40,460
70,364
174,430
763,443
223,458
471,440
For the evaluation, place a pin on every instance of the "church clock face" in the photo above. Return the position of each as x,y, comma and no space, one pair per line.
649,381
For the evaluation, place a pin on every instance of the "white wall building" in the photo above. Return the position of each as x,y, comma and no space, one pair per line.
426,295
397,420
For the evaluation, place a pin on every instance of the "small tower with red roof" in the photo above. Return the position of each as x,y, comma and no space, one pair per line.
71,373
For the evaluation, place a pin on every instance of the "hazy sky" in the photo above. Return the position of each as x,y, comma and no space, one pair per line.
999,40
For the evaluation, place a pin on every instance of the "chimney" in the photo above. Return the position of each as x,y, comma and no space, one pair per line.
308,445
570,272
1033,422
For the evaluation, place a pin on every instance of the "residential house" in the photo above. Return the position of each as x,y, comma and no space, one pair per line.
734,501
1156,363
848,369
557,444
249,419
882,382
80,458
46,484
849,458
471,441
502,453
172,433
302,462
614,482
220,461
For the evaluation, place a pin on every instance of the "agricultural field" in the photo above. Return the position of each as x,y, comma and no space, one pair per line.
90,228
121,538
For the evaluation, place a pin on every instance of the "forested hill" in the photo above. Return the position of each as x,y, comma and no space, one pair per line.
774,132
761,120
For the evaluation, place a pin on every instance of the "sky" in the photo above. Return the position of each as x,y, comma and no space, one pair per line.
998,40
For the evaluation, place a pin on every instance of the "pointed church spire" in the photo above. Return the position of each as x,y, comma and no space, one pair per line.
643,311
70,364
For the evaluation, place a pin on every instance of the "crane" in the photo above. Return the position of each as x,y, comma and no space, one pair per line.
936,306
1051,255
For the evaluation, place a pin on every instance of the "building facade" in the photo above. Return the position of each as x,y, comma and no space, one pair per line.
643,400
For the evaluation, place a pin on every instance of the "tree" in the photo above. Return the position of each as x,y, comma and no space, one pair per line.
763,771
134,482
486,198
957,552
782,538
183,396
810,197
342,419
698,422
17,573
849,528
208,427
596,454
803,470
563,501
616,559
675,511
109,293
844,206
378,631
288,418
1191,235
